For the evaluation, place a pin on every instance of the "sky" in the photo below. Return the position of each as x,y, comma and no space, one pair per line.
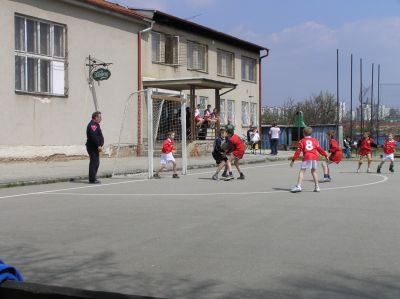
303,36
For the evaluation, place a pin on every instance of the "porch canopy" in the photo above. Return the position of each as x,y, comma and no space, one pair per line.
192,84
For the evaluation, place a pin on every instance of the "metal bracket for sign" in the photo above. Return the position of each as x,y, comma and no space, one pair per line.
94,64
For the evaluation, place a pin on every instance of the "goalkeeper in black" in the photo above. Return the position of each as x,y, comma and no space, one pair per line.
221,146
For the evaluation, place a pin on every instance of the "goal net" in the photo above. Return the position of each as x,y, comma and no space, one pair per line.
142,134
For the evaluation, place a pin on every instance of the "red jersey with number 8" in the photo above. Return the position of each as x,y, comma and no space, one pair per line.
310,148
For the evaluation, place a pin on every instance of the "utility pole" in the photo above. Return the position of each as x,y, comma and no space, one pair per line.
361,100
372,99
351,96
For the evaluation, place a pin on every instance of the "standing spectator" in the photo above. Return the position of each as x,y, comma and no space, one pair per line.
94,145
347,147
274,132
248,135
255,138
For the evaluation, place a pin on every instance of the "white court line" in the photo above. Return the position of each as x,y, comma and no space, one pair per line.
117,183
385,178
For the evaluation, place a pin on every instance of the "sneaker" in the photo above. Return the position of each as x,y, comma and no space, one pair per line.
391,168
369,170
379,170
215,177
316,189
175,176
327,179
296,189
229,177
156,176
358,170
241,177
224,174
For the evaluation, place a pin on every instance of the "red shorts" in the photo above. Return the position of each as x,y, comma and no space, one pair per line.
336,157
238,154
364,152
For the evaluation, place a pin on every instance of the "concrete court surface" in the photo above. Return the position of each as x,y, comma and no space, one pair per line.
198,238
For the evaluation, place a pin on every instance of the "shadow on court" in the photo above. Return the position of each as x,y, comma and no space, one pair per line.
98,271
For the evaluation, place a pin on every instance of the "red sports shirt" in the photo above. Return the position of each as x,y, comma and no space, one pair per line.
168,146
365,146
310,148
389,147
335,150
238,146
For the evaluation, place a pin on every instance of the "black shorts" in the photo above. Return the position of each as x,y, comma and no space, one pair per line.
219,158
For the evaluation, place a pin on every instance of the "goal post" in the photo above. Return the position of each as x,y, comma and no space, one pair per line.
139,147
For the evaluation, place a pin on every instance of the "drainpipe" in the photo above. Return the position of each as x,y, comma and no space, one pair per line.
260,90
139,87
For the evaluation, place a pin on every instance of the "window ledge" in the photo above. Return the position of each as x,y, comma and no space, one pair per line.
41,94
167,64
230,77
196,70
244,80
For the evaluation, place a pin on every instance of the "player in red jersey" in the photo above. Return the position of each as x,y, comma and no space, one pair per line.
167,156
236,153
335,157
365,150
310,148
389,148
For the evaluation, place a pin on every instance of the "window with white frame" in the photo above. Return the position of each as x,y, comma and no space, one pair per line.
253,114
245,114
225,63
40,56
231,112
222,113
164,48
249,69
197,58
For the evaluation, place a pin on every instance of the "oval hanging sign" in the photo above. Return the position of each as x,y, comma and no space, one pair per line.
101,74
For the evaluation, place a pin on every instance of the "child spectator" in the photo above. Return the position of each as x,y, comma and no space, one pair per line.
199,120
364,145
255,138
310,148
335,157
235,154
389,148
219,153
214,118
167,156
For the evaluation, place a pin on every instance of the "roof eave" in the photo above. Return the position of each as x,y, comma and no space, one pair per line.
163,18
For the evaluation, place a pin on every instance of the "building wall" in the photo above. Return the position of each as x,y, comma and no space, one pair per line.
27,119
245,91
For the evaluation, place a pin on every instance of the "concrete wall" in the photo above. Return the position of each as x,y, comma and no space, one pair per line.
245,91
27,119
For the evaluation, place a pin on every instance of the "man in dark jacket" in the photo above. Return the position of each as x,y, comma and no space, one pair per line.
94,145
